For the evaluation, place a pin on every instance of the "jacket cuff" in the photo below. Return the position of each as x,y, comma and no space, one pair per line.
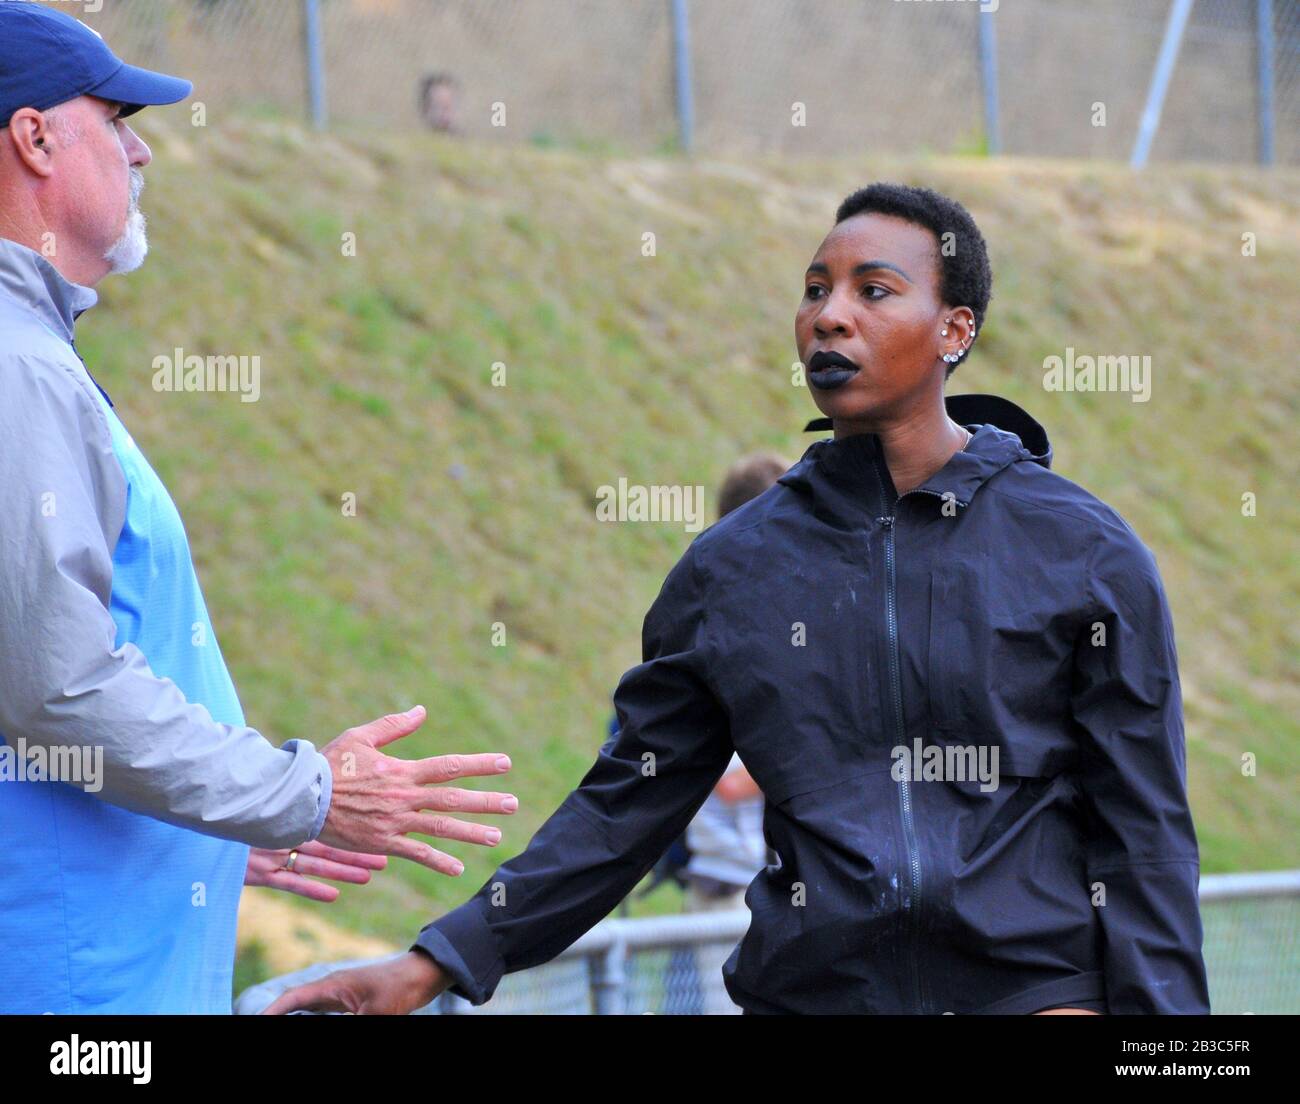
463,945
323,786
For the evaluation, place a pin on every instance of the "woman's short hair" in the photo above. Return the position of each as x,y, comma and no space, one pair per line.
966,278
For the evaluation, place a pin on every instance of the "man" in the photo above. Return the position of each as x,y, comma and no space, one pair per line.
439,103
128,839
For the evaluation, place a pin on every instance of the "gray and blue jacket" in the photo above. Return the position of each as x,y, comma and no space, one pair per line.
130,787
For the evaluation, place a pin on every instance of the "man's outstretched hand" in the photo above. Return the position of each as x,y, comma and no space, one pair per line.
379,801
392,988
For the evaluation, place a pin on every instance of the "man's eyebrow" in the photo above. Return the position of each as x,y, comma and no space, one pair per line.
859,269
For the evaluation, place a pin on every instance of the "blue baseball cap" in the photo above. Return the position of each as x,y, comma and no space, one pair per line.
48,58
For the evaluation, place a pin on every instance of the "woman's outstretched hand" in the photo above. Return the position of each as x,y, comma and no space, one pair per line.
394,987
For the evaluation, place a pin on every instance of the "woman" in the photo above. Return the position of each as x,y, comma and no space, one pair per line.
951,672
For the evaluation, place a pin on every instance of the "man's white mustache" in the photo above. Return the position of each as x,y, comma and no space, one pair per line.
137,186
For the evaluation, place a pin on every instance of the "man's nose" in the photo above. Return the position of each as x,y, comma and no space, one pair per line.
137,153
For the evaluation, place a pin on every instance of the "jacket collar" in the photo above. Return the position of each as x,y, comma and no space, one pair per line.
36,285
1003,434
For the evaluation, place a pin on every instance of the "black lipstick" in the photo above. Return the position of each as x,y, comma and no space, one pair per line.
827,371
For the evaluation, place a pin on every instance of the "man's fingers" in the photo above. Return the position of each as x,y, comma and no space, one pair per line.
449,799
448,768
312,867
394,726
337,854
316,996
445,827
425,855
291,882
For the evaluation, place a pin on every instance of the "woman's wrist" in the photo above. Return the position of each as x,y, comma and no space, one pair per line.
424,976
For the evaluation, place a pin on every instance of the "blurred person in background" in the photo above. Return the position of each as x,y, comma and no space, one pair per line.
440,103
723,847
725,841
149,803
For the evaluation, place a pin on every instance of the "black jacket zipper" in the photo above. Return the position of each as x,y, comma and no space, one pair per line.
912,905
912,902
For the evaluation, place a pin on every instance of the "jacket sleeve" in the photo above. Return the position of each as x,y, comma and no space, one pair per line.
672,746
63,683
1142,844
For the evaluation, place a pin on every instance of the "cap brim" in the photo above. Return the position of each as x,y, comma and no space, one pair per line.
135,88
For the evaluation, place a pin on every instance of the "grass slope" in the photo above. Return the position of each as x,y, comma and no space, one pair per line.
475,503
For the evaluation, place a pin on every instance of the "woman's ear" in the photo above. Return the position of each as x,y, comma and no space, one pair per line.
956,333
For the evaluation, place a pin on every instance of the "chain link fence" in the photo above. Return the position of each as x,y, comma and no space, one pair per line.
671,965
832,77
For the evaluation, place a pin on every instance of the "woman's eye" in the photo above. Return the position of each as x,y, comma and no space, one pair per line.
875,287
812,290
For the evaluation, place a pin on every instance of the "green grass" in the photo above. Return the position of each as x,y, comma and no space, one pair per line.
475,503
251,967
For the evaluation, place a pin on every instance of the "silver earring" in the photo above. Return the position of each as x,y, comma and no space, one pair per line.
943,333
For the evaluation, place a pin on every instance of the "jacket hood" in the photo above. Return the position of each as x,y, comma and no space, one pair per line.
1002,434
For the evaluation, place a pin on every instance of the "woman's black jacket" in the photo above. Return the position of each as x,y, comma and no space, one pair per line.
963,708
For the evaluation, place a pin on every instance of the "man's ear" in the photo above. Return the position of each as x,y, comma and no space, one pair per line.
33,137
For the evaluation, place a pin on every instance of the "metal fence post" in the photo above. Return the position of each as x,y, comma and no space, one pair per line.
682,75
1173,40
609,980
315,62
989,78
1264,50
